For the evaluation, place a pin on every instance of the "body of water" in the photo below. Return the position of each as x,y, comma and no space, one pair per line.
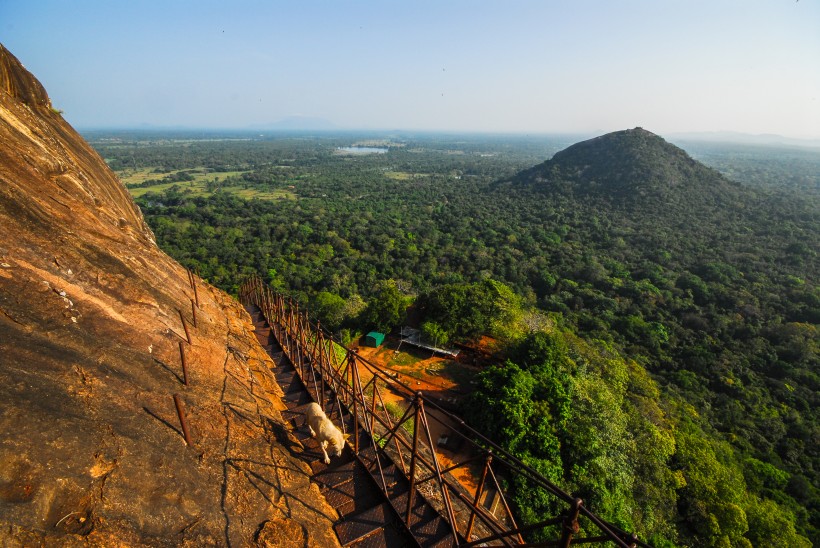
362,150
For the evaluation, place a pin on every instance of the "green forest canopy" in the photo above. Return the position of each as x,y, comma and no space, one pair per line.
680,350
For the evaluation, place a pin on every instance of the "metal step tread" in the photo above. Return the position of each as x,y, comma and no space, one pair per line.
336,475
426,524
353,496
297,398
395,480
359,526
286,378
389,536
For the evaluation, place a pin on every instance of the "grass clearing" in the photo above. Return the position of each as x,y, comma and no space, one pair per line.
403,175
407,357
192,188
188,187
137,176
200,174
250,193
198,187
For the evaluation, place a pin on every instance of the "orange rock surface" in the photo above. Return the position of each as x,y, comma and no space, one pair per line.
91,446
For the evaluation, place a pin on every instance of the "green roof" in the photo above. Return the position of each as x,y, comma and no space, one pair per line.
374,339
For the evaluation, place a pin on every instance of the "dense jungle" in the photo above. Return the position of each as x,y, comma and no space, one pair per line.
653,313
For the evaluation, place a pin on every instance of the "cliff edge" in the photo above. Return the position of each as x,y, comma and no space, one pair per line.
91,335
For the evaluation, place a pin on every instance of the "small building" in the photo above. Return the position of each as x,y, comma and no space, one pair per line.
374,339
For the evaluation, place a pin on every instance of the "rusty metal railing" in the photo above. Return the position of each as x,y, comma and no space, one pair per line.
466,488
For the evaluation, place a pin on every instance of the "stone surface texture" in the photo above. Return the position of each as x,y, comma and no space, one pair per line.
91,447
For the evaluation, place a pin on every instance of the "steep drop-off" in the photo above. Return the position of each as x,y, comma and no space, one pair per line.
91,449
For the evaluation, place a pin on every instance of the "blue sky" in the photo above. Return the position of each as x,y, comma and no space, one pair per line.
584,66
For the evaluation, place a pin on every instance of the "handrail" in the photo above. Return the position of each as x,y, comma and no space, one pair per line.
361,387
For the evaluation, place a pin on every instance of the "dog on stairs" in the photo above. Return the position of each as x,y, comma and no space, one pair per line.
323,429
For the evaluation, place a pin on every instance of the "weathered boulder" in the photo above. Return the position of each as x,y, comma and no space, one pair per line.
91,446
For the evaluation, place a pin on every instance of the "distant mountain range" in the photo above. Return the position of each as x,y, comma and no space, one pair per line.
297,123
767,139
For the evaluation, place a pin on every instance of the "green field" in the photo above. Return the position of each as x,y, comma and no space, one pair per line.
199,186
403,176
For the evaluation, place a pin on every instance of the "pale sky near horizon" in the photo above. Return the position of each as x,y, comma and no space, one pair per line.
581,66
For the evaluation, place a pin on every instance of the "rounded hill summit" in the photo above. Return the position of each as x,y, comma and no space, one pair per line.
628,166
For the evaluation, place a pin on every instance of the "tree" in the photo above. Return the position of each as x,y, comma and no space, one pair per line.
467,310
387,308
434,333
330,308
772,525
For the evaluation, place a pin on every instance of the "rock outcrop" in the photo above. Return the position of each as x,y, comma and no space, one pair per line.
91,447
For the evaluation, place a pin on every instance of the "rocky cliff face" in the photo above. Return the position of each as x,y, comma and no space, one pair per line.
91,448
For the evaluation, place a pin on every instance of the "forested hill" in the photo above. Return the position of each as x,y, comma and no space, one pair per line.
632,166
708,283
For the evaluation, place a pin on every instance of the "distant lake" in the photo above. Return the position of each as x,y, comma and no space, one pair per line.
362,150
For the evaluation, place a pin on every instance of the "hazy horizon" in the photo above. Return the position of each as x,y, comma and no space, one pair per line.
263,130
580,68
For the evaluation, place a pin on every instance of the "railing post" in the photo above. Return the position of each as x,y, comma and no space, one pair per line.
570,526
413,458
478,492
196,293
509,513
354,367
373,406
421,417
184,364
320,360
185,326
182,421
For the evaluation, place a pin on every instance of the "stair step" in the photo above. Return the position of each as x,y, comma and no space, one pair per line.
364,524
444,542
394,478
353,496
431,532
296,399
294,382
335,475
390,536
282,365
286,378
315,457
425,523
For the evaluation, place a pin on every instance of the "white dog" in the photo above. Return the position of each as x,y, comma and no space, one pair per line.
325,431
